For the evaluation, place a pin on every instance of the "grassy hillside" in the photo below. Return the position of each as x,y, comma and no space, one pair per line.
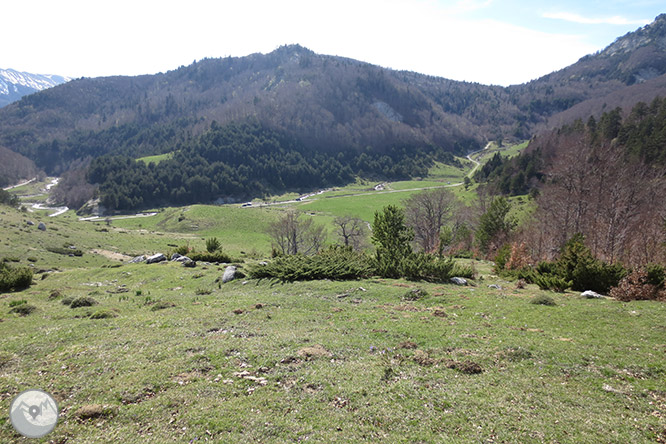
175,355
169,353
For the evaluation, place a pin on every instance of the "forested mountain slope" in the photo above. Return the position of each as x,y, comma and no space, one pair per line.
335,107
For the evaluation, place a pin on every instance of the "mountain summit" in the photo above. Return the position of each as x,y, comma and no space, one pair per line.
15,84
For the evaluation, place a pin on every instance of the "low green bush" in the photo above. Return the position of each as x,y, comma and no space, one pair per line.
501,258
337,263
104,314
14,278
543,299
342,263
578,265
656,274
426,267
213,244
83,301
183,250
576,268
23,309
216,256
65,251
550,282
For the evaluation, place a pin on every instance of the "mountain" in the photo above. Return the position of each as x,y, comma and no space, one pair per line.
15,84
629,70
364,117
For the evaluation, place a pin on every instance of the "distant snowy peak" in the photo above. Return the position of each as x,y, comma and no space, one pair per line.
15,84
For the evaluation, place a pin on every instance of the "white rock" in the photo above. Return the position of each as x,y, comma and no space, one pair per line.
589,294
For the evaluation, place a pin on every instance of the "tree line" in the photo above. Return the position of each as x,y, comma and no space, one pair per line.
242,161
602,180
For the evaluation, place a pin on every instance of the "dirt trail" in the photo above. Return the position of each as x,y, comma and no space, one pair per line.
20,184
111,255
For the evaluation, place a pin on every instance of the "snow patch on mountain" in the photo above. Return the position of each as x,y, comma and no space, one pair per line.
16,84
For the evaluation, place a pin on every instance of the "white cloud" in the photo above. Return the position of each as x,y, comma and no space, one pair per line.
576,18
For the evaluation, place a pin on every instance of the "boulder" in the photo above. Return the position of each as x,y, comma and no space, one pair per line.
229,274
495,287
186,261
458,281
189,263
589,294
155,258
176,256
31,223
42,226
137,259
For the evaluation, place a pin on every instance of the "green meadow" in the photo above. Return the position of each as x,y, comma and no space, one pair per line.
162,353
156,159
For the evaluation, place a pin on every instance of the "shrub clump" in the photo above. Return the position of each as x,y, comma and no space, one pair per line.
216,256
83,301
414,294
639,286
578,265
104,314
576,268
213,244
14,278
550,282
161,305
543,299
426,267
65,251
656,275
337,263
21,307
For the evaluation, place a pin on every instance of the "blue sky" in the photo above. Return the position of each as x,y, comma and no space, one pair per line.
487,41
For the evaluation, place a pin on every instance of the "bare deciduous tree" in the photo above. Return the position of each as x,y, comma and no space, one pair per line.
593,189
352,231
293,234
426,212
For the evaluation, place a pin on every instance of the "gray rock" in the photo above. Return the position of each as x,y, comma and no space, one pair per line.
189,263
31,223
176,256
229,274
458,281
155,258
137,259
589,294
42,226
494,286
186,261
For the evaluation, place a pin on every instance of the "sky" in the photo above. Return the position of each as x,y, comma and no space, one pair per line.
499,42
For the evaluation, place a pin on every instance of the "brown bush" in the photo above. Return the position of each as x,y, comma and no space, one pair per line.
636,287
519,258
